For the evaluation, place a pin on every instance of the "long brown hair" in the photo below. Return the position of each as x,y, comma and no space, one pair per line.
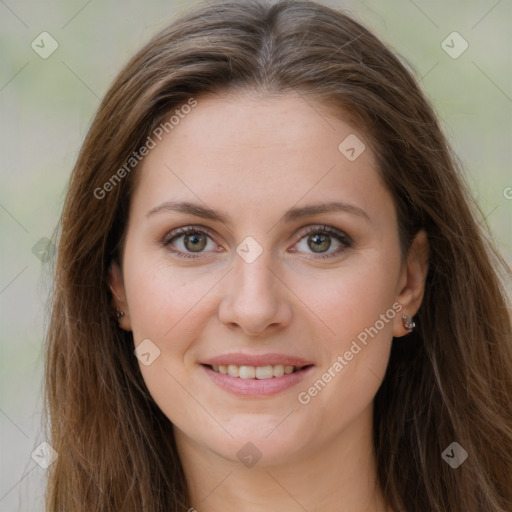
451,381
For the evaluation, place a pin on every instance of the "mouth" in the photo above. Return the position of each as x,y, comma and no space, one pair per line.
257,382
256,372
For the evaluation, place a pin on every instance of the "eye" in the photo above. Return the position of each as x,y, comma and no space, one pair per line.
186,241
319,240
194,240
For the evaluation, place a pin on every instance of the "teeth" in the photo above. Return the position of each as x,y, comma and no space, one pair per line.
251,372
247,372
233,370
279,370
264,372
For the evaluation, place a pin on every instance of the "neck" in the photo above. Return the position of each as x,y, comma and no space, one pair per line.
338,475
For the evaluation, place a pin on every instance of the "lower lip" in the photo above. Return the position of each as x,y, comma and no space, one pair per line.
256,387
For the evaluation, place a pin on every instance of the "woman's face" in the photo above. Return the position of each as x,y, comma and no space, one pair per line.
303,272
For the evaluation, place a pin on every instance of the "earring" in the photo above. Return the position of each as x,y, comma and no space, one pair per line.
408,322
119,314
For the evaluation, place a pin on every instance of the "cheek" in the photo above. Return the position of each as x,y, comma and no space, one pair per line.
163,298
353,297
164,308
354,362
357,315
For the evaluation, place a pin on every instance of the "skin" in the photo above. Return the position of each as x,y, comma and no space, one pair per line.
273,154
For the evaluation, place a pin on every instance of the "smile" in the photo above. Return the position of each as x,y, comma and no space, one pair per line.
256,381
255,372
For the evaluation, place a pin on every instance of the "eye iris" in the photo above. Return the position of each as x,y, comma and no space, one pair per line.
320,241
194,237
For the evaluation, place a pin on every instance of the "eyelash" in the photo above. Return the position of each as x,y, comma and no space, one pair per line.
343,238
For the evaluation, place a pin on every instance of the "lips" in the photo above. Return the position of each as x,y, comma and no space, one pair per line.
256,375
256,360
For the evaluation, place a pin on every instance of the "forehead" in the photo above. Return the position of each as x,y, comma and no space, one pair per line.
246,152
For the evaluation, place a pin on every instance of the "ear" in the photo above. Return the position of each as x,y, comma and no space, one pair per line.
116,285
412,281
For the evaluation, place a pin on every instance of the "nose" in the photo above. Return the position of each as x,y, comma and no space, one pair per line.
255,298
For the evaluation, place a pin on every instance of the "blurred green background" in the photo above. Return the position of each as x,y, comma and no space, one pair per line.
47,105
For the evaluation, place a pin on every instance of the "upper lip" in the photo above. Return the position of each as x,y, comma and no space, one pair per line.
240,359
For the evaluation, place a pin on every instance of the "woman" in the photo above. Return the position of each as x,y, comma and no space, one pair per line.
272,290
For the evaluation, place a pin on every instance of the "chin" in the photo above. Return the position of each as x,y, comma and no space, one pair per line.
267,441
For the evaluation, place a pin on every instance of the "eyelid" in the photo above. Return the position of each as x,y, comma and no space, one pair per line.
190,228
327,229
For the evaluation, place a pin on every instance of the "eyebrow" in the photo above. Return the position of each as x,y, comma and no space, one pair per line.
290,215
